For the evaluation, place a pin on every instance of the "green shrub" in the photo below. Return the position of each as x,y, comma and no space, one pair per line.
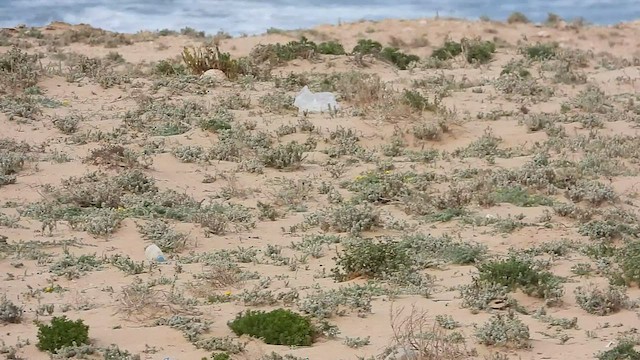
379,186
552,19
220,120
517,68
161,233
398,58
541,51
302,48
448,50
18,70
348,218
367,46
415,100
479,295
277,327
519,196
168,68
390,54
630,262
278,102
220,356
205,58
517,17
622,351
68,124
477,51
331,48
288,156
62,332
280,53
466,253
364,257
516,273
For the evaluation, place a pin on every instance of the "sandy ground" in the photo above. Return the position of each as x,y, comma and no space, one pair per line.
97,295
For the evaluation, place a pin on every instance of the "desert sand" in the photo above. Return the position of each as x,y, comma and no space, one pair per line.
523,155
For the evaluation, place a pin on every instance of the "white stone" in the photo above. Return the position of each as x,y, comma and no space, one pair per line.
215,74
406,352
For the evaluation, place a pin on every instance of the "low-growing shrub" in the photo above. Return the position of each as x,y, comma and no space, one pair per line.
448,50
390,54
419,102
519,196
62,332
599,302
10,313
331,48
624,350
368,258
630,262
68,124
398,58
276,54
189,153
161,233
323,304
277,327
205,58
18,70
504,330
478,51
348,218
221,119
517,17
367,46
168,68
516,273
356,342
479,295
592,191
288,156
541,51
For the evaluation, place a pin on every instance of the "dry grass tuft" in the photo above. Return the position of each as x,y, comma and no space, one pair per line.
417,339
141,302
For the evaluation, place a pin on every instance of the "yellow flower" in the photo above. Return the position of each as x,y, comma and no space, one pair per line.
48,289
227,293
387,172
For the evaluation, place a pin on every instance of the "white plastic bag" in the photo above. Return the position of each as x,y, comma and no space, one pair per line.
307,101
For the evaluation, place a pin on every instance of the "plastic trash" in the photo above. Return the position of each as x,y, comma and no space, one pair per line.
307,101
153,253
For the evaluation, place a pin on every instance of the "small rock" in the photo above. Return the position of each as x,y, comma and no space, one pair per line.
403,352
215,74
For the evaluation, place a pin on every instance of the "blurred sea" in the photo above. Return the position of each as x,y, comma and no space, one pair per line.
255,16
